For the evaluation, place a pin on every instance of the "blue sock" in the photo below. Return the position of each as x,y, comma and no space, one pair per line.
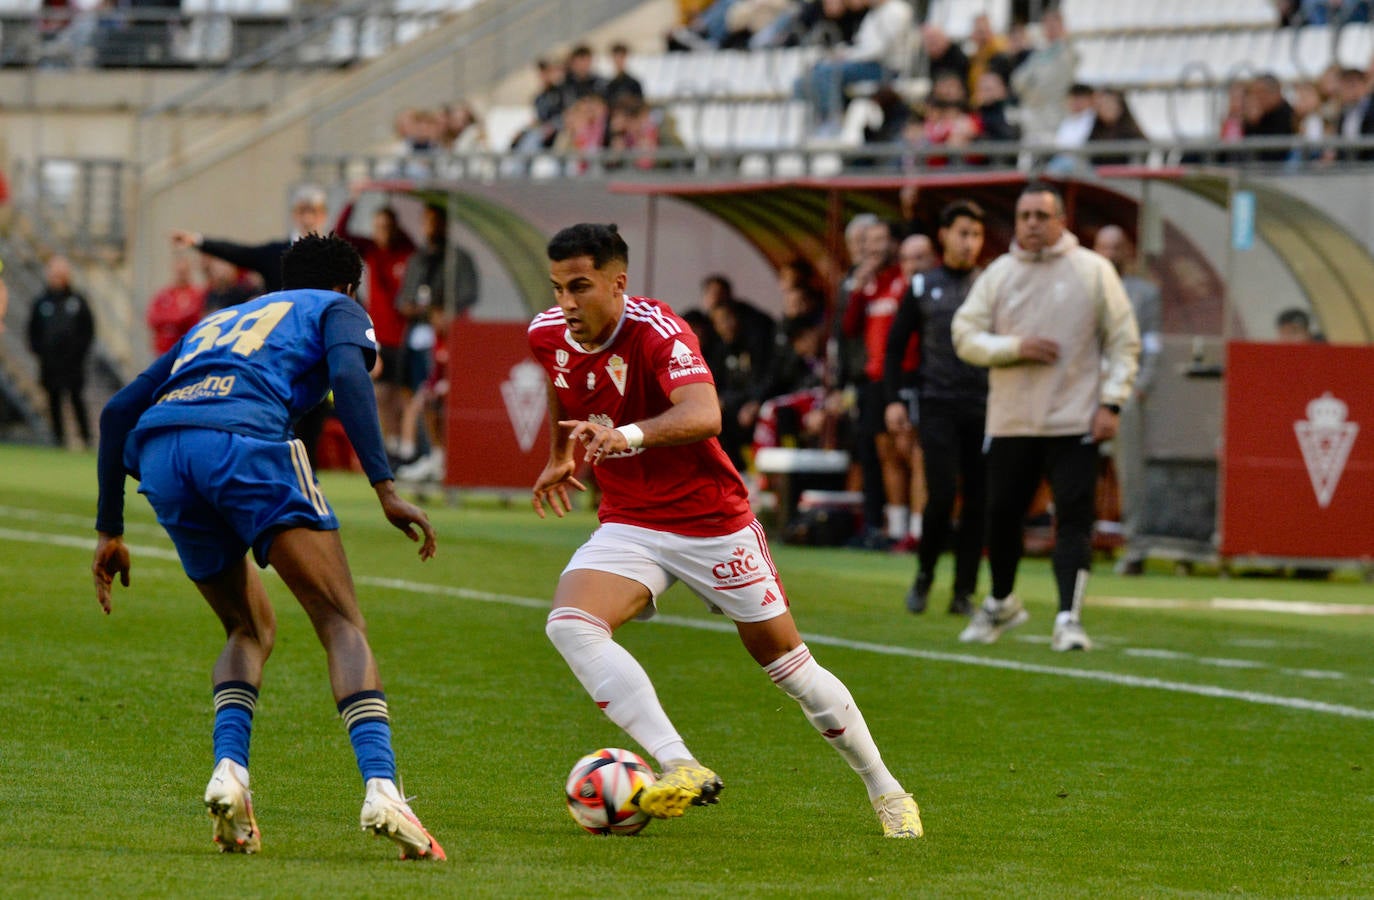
369,730
234,705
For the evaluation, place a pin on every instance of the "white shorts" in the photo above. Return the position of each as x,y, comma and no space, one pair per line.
734,574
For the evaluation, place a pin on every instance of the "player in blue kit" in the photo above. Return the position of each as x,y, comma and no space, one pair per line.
207,431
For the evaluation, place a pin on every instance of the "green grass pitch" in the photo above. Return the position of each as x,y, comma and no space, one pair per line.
1200,751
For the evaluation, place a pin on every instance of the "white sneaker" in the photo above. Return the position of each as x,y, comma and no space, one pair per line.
429,467
993,618
1069,635
386,813
231,806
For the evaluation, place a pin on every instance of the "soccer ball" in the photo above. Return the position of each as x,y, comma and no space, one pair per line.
602,789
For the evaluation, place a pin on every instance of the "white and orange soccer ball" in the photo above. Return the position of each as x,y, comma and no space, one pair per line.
602,789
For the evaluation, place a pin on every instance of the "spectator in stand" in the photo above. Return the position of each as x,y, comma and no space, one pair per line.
787,26
947,124
579,80
1129,445
549,105
1334,12
1112,121
584,128
990,107
1357,109
1080,116
908,202
175,308
463,132
880,50
385,253
1043,80
829,23
61,331
4,301
622,83
1313,126
872,304
1232,128
944,55
226,284
632,129
896,115
989,53
1268,114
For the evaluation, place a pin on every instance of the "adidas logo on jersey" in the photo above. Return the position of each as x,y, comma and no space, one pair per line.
559,381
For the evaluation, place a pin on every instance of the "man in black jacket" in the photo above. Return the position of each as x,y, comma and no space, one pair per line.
952,403
309,215
61,330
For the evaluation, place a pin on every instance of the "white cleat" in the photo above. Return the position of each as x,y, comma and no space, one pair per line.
899,815
1069,635
993,618
231,806
386,813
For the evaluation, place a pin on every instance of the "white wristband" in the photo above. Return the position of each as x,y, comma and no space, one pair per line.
633,434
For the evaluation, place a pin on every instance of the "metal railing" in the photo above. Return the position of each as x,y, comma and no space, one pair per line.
297,36
1271,155
77,202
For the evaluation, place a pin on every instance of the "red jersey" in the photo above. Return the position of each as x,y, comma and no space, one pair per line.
386,267
870,313
690,489
172,312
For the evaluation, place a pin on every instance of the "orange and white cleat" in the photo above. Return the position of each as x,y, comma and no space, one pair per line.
387,814
231,806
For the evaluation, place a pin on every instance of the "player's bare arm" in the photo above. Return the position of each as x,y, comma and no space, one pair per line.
552,485
406,516
111,559
694,416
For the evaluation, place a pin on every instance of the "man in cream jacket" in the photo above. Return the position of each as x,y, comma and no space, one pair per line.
1052,322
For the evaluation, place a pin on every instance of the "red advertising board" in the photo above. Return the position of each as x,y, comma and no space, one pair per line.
1298,452
497,407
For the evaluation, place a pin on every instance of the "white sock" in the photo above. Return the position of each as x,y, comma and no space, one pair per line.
617,683
897,519
407,449
916,526
830,708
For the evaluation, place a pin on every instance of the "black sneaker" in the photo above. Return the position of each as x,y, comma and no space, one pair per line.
918,595
961,604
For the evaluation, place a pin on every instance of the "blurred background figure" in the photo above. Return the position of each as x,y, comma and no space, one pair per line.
61,331
1294,326
176,307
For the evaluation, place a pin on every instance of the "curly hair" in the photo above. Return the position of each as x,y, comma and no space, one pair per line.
321,263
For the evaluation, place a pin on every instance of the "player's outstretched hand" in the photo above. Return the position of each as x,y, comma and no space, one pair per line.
406,516
552,487
111,559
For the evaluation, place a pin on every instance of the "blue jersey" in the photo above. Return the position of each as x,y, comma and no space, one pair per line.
255,368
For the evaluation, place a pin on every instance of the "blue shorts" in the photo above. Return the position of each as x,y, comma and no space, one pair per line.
218,494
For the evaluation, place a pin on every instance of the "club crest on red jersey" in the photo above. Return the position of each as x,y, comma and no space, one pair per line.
617,369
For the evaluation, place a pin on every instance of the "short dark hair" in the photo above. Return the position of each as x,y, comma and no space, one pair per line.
602,243
1043,187
579,50
620,47
727,287
321,263
961,209
1080,90
1294,316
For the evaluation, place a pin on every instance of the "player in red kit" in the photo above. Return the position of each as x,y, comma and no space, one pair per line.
629,391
